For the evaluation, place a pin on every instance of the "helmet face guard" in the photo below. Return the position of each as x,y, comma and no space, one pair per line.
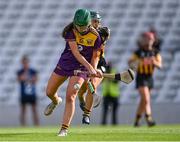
95,15
95,19
82,29
95,23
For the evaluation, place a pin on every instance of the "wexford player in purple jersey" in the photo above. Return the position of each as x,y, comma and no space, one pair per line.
81,53
86,104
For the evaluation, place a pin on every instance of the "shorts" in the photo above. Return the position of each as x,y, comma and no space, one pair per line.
30,99
62,72
144,81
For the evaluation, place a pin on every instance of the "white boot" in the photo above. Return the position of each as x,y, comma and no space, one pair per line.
50,108
62,133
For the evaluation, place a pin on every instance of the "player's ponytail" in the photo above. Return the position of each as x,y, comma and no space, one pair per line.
68,28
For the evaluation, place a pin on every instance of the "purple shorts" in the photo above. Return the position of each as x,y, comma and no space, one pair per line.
62,72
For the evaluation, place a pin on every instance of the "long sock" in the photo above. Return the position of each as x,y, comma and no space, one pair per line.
138,117
81,98
54,99
148,117
86,112
64,127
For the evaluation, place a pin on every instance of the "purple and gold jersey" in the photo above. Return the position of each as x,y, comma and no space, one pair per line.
86,44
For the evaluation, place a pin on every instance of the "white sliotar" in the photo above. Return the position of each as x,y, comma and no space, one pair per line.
77,86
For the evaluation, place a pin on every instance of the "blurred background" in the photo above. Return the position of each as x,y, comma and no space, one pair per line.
33,27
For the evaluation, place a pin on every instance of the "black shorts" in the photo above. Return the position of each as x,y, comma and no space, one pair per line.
144,81
102,65
28,100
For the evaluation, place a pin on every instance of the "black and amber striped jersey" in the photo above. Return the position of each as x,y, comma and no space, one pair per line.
104,33
145,64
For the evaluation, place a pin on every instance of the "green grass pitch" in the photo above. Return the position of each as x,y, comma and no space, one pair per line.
93,133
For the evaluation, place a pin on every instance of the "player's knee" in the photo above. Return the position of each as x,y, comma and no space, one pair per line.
70,98
71,94
146,102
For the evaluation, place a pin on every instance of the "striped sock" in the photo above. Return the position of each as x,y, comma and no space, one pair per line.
81,98
86,112
64,127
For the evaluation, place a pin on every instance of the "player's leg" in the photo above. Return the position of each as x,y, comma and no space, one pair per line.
81,96
141,106
70,103
53,84
89,101
148,111
87,108
147,100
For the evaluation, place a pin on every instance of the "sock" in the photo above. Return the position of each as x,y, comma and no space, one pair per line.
64,127
86,112
81,98
54,98
148,117
138,117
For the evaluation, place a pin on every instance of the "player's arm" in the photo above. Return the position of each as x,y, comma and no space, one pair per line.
95,60
69,36
133,58
79,57
133,62
96,55
157,61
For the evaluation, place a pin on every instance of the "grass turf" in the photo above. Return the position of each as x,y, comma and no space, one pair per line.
93,133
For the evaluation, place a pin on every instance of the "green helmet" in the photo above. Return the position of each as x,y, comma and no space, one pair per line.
95,15
82,17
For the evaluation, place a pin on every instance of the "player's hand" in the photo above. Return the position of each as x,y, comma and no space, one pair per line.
99,73
153,59
92,71
156,62
134,65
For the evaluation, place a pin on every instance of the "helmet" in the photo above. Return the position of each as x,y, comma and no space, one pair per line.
82,17
95,15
